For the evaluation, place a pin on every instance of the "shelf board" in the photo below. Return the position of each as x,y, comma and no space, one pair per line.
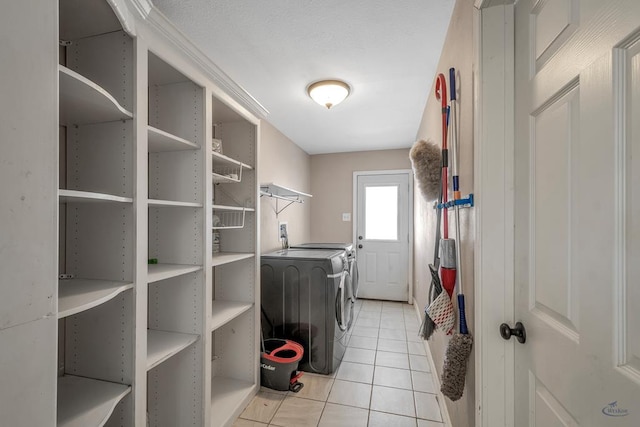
171,203
227,257
157,272
222,159
82,101
275,190
228,396
76,196
161,141
76,295
232,208
86,402
161,345
225,311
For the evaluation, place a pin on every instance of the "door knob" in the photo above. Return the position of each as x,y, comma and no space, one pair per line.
360,246
519,332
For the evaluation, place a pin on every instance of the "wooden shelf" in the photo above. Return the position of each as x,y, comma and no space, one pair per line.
77,295
227,257
161,345
83,102
161,141
225,311
84,402
228,396
170,203
75,196
157,272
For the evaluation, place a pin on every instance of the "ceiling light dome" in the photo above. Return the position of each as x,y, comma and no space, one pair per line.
329,93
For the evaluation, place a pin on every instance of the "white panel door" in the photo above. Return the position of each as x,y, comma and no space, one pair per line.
577,204
382,233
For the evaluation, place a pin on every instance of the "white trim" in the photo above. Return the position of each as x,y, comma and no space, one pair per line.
446,419
494,181
160,23
409,173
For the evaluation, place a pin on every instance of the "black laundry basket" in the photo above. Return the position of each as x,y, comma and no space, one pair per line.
279,363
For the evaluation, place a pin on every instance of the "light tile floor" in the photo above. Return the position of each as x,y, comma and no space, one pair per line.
384,380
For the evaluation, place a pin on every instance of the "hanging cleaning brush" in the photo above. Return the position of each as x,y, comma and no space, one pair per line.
459,349
426,163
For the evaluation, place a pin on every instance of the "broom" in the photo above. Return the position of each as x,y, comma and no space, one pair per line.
428,326
459,349
426,164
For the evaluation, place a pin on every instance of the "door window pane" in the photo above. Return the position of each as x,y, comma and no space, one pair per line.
381,213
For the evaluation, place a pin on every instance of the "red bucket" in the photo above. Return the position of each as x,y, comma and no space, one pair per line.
279,363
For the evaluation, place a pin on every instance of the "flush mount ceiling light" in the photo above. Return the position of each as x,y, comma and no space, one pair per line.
328,93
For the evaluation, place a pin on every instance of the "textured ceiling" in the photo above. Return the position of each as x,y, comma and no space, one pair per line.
387,51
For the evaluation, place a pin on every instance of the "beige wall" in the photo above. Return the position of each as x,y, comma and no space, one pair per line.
458,53
284,163
332,188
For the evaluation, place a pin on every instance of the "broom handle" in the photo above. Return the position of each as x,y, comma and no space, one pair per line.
456,196
454,169
441,95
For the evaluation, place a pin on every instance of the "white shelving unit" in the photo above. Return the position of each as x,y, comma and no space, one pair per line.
234,319
125,342
176,225
96,218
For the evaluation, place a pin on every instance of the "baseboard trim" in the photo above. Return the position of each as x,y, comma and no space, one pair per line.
436,379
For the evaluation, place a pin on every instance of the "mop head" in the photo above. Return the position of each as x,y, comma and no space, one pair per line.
427,168
455,366
427,328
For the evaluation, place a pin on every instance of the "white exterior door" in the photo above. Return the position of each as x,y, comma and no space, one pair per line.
577,212
382,235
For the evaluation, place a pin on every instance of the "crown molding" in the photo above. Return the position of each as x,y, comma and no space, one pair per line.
130,12
160,23
483,4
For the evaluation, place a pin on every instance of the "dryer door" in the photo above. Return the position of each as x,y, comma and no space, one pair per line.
344,303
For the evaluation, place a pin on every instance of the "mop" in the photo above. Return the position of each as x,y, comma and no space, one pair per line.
459,349
440,309
428,326
426,163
